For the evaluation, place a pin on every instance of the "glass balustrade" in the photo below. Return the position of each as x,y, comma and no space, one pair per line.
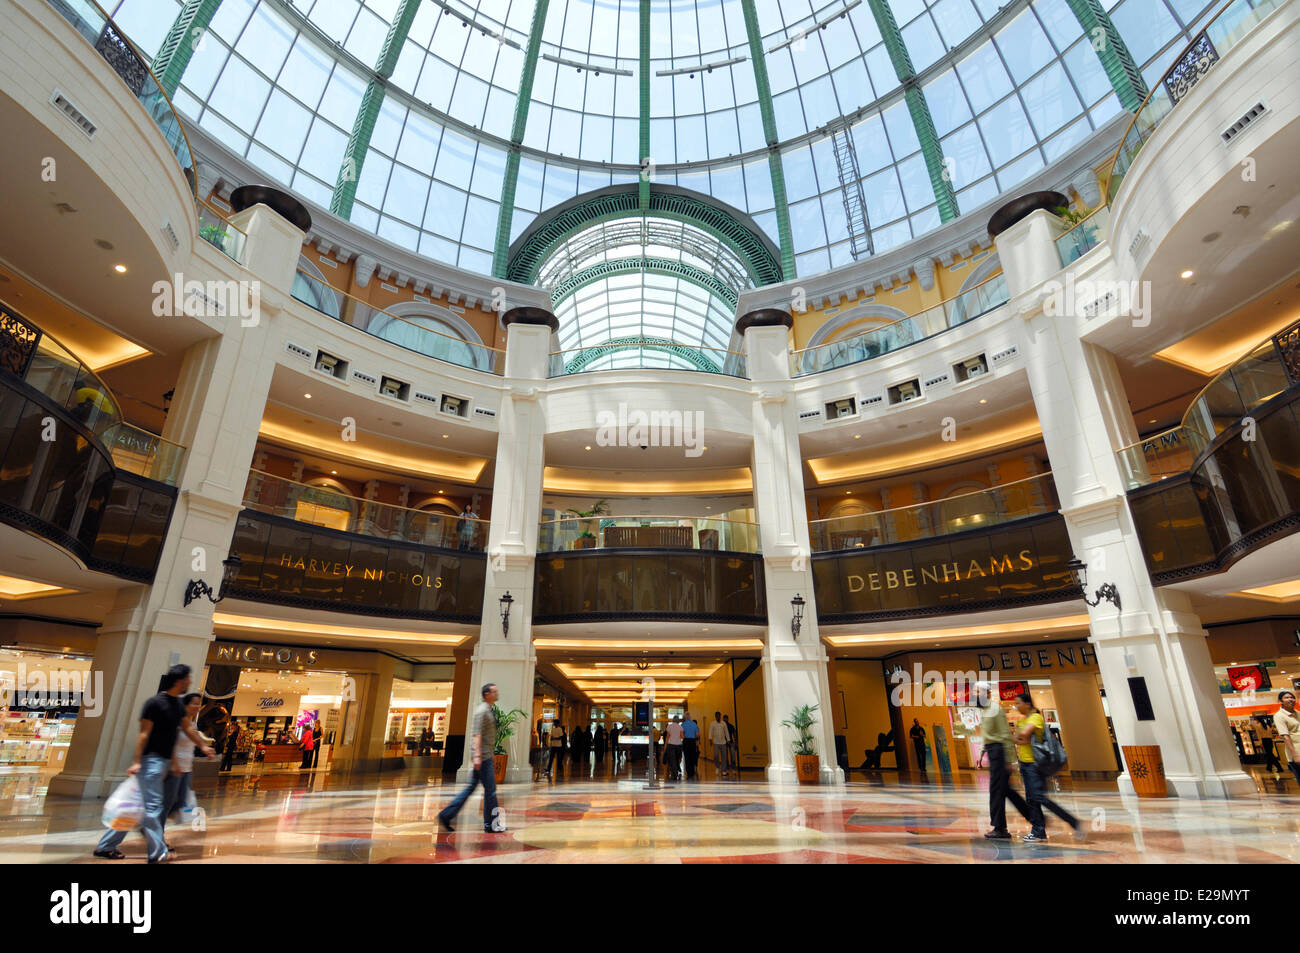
1250,382
90,20
332,509
218,231
44,364
637,353
1222,33
647,532
972,303
405,332
981,509
1084,236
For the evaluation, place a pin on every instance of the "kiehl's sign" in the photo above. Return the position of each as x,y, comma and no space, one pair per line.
1020,561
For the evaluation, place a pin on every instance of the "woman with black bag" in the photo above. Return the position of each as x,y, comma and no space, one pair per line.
1040,757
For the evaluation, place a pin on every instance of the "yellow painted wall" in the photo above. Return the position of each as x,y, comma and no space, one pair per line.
713,694
861,702
751,719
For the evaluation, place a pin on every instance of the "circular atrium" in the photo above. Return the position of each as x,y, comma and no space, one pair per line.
709,405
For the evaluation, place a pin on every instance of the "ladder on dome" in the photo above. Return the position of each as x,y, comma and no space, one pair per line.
855,200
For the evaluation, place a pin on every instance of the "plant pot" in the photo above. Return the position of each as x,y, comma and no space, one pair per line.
499,766
585,542
806,768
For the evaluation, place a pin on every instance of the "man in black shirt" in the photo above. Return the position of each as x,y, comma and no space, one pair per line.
160,720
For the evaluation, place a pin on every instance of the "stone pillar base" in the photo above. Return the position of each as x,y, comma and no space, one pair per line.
1225,786
84,786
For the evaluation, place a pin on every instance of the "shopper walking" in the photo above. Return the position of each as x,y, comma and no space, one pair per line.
1001,751
232,745
613,746
733,747
673,748
182,766
690,744
1287,723
917,734
307,743
600,741
720,739
160,720
319,734
482,746
555,754
1029,727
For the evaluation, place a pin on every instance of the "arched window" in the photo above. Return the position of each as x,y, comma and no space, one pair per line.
315,293
964,507
432,331
325,502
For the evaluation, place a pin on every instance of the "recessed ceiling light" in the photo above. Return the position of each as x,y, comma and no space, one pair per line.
984,400
446,436
1152,420
334,473
588,448
120,269
857,436
308,396
1187,274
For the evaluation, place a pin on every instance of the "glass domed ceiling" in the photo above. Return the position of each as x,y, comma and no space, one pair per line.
1008,88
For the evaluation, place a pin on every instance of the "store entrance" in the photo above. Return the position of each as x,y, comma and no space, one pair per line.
597,718
274,720
41,696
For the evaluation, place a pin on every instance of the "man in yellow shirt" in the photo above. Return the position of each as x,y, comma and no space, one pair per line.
1287,723
1031,725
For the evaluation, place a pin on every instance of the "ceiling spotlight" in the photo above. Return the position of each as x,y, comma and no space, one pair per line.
588,447
1187,274
120,269
308,396
984,400
446,436
334,473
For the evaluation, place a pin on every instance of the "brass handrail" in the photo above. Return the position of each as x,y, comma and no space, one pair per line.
997,487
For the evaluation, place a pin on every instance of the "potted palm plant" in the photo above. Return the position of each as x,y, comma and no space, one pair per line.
506,721
801,720
587,539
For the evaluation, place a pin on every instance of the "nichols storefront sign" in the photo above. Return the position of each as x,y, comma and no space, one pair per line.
1023,561
264,655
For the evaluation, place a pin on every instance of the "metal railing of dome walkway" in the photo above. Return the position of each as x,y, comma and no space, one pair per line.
333,303
1251,381
1221,33
979,509
333,509
647,532
969,304
634,353
39,360
99,30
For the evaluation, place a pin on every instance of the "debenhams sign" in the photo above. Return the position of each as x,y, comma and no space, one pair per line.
941,573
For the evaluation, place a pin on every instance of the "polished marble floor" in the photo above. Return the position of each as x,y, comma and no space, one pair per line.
320,817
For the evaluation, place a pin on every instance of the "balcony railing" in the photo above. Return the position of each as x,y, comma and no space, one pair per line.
647,532
218,231
1266,371
324,506
1084,236
631,353
102,33
971,303
44,364
404,332
980,509
1224,31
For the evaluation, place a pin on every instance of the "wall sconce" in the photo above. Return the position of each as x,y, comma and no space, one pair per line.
230,570
796,622
1079,570
506,602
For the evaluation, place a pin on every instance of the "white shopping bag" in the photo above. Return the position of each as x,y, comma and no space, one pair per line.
125,806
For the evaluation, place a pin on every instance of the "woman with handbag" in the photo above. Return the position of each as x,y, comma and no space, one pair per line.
307,744
1040,757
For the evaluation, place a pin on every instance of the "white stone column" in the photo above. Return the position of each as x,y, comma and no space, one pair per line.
509,659
215,414
1083,409
794,670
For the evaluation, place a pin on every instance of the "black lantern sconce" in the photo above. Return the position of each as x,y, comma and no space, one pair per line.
1079,570
796,621
229,572
506,602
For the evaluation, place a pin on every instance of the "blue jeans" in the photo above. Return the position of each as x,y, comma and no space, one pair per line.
1036,795
153,782
485,775
175,791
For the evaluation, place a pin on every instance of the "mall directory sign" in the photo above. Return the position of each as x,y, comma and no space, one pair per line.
1021,562
298,564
